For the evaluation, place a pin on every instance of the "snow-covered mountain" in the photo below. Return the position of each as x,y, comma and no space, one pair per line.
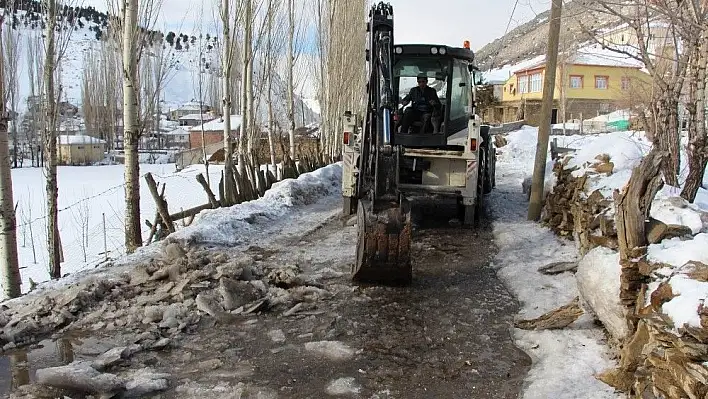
88,30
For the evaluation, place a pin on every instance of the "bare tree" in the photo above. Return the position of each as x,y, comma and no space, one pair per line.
9,268
55,48
135,24
11,58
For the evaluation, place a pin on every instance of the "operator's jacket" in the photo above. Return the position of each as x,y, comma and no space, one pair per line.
420,99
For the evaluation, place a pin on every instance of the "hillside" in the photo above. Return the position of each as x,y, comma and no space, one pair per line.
530,39
89,31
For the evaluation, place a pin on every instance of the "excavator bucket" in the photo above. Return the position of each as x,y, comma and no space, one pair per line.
383,245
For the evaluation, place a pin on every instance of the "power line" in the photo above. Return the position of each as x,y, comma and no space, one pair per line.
501,41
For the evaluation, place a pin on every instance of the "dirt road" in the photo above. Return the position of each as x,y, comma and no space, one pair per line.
446,336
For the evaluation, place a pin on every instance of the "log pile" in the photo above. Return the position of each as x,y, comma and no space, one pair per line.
659,361
571,212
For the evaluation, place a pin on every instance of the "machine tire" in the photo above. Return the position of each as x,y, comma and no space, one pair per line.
485,163
349,205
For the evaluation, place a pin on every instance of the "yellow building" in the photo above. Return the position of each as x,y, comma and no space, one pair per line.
79,149
588,84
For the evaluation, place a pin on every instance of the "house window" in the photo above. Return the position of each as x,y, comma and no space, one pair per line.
625,83
576,82
523,84
80,147
601,82
536,83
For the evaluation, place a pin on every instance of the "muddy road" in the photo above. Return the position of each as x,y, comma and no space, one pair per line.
445,336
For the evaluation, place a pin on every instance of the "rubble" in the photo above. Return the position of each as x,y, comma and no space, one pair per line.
333,350
80,376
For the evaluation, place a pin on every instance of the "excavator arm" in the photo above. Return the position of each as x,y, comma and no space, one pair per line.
383,214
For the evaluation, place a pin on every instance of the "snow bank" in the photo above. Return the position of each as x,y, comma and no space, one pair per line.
565,361
677,253
598,280
229,226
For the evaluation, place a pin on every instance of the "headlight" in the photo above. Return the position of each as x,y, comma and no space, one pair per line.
434,50
398,50
442,50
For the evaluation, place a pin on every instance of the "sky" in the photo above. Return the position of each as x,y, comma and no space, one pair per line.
449,22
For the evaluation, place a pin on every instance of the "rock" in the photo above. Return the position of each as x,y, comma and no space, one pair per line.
499,141
657,231
173,252
79,376
351,221
247,273
139,275
110,358
276,335
161,344
179,287
144,382
219,258
153,314
334,350
603,157
343,386
209,305
696,271
236,293
605,167
171,271
285,277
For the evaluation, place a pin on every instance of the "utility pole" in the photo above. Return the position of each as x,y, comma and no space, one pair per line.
544,128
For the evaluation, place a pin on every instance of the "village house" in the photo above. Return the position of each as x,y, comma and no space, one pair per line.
79,149
213,131
189,108
177,139
196,119
588,84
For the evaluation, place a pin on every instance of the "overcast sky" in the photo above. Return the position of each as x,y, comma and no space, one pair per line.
416,21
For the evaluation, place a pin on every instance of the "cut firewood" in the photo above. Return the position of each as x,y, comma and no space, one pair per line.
555,319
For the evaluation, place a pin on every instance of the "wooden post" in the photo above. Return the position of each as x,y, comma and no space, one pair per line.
544,128
160,202
212,199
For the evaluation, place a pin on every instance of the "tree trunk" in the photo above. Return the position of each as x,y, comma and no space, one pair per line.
227,62
50,145
697,141
131,132
9,272
245,79
633,206
290,79
269,72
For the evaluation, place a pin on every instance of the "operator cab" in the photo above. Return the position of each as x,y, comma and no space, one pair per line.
448,72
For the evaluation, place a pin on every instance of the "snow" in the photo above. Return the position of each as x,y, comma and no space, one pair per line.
677,252
598,278
565,361
78,139
684,308
664,208
292,207
86,193
231,226
218,124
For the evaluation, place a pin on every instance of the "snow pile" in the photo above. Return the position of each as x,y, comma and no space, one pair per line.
231,226
677,255
599,283
625,151
671,209
565,361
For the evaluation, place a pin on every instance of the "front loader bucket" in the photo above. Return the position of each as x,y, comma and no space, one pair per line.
383,245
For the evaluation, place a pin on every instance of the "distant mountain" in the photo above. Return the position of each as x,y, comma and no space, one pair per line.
90,27
529,40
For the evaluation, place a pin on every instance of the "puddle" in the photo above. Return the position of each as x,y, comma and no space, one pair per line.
19,367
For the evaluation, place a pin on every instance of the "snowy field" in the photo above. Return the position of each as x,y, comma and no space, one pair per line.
86,194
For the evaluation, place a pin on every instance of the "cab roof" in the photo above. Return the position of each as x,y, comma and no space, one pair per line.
434,49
